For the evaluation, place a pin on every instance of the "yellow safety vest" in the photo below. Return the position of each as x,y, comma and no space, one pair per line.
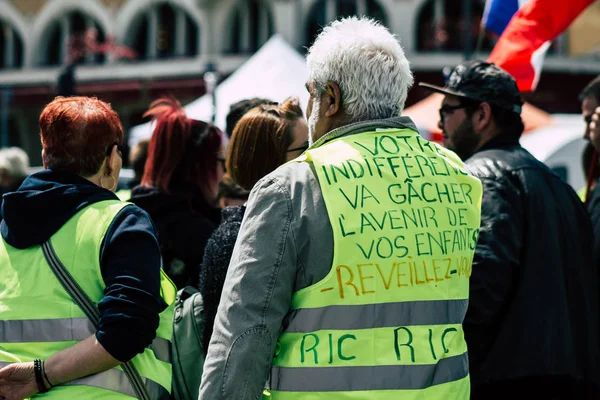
386,322
38,317
124,194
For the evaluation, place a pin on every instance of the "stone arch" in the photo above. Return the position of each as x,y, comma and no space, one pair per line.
12,17
375,8
238,22
130,16
450,38
50,14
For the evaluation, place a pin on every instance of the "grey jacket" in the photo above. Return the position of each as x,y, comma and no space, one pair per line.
285,244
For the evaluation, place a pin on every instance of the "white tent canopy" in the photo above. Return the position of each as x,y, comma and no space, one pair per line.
275,72
560,146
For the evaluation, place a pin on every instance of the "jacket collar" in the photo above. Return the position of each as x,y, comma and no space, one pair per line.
365,126
500,141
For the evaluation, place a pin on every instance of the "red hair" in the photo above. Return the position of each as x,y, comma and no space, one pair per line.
77,132
183,152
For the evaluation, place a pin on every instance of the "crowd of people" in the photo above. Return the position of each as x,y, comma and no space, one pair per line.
338,254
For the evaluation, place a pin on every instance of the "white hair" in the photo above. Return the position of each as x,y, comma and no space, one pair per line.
15,162
368,64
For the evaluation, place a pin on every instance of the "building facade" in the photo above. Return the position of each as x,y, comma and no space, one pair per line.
145,48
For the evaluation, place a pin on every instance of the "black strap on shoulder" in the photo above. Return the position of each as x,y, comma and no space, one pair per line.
91,311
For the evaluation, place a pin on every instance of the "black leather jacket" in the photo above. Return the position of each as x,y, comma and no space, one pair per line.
534,304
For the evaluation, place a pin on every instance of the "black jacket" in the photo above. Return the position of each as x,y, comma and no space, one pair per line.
594,210
533,307
184,223
129,257
217,255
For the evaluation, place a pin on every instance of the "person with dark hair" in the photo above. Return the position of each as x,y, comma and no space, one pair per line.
65,85
276,134
180,186
47,343
231,194
591,171
590,101
137,160
590,110
533,319
237,111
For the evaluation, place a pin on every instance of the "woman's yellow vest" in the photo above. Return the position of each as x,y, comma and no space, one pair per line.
38,318
386,322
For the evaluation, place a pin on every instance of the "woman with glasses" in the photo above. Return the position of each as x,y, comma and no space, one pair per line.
180,186
265,138
110,248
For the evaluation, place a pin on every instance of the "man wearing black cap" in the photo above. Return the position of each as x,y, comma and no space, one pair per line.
590,111
533,318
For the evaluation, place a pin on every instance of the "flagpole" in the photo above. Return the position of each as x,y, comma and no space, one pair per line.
480,36
482,27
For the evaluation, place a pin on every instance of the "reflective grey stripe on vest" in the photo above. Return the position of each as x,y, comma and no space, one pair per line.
384,315
45,330
161,349
383,377
116,381
64,329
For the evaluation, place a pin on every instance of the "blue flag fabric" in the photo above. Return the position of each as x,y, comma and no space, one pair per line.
498,13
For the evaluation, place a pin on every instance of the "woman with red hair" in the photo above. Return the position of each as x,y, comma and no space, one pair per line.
110,248
180,186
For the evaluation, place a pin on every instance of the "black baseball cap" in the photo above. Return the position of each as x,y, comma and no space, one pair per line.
482,81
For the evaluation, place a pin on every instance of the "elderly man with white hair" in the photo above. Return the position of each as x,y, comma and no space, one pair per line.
350,275
14,168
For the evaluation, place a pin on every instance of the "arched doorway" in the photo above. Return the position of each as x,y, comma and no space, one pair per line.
251,25
11,46
68,37
441,26
164,31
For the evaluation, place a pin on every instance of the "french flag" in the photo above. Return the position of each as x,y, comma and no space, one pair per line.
526,29
498,13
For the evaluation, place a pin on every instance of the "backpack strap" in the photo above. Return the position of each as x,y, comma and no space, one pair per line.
84,302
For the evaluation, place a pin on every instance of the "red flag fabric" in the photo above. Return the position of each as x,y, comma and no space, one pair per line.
521,47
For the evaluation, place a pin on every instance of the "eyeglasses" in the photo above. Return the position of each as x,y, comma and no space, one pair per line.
120,149
447,109
301,148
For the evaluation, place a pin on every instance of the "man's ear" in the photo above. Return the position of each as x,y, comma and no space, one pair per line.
334,99
483,116
44,159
